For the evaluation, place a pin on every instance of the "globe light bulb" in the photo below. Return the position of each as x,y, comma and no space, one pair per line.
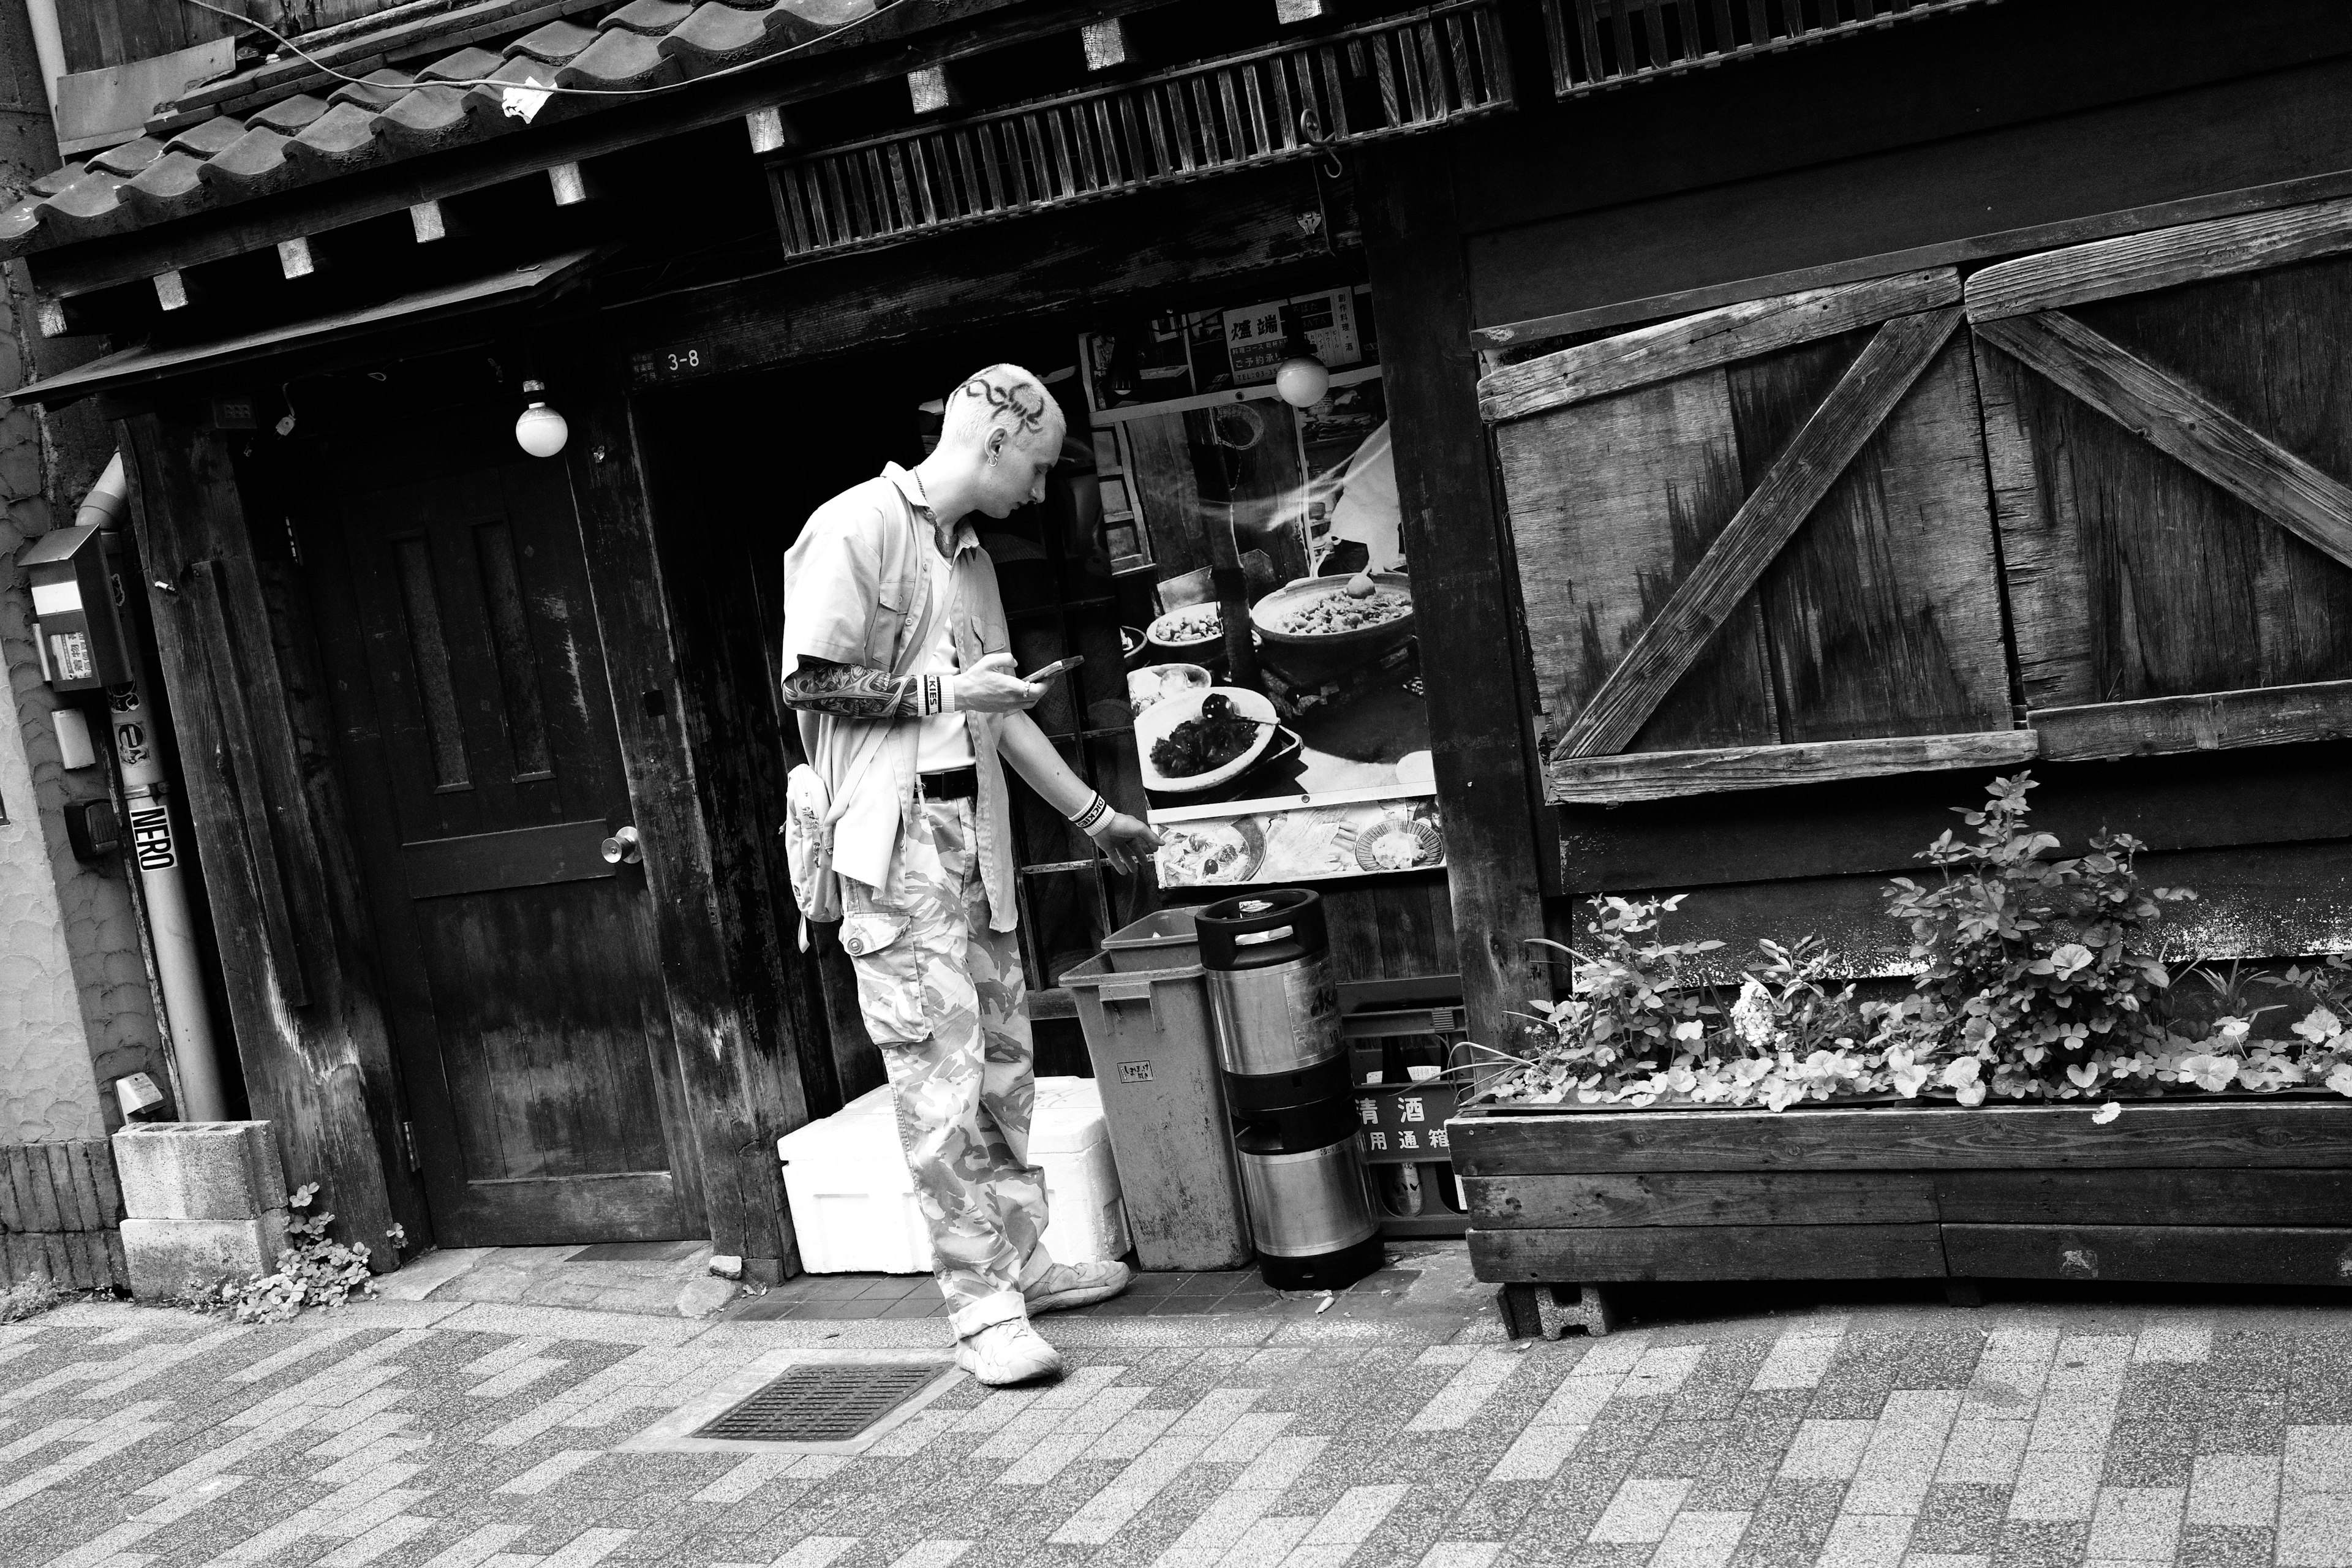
1302,381
539,429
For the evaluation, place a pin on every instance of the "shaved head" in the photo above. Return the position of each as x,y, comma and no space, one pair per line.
1002,397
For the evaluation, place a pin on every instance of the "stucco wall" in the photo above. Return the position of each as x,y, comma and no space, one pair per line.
75,1008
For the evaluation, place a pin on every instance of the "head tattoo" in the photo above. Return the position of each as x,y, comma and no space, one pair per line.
1003,395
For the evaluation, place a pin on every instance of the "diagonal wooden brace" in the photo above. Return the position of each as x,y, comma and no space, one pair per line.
1672,642
2181,422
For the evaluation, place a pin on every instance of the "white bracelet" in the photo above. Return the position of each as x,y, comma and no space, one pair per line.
1093,816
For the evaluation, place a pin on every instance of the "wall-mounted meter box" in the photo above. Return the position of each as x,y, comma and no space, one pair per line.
78,609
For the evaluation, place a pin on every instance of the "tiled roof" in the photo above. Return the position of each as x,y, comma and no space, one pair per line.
393,114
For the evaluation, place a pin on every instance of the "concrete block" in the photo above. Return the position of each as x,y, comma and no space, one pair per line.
198,1170
166,1256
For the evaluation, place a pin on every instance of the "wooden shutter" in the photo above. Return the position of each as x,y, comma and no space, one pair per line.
2168,418
1755,546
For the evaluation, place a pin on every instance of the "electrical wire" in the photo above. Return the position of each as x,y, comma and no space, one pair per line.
303,54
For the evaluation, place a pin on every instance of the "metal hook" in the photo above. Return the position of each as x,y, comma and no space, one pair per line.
1310,130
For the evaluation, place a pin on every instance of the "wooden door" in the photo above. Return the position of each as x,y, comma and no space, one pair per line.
2170,421
1755,546
476,731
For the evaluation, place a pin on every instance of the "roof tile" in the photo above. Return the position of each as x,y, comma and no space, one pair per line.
376,91
129,157
53,182
289,116
621,59
521,71
21,221
342,138
171,185
436,116
651,17
558,43
89,204
465,65
254,163
205,141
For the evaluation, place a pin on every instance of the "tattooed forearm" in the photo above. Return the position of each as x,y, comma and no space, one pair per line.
824,687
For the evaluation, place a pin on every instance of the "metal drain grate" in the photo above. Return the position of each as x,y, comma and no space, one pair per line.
823,1403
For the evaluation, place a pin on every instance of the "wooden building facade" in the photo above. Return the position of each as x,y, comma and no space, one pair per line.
1802,408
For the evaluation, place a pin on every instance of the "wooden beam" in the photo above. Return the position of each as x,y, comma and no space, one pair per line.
2181,422
321,1074
1709,1252
1106,44
1702,341
294,258
2204,721
771,129
1666,648
1659,776
2239,1252
1472,648
2164,258
934,90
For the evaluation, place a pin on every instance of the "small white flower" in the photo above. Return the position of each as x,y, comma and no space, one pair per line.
1960,1074
2107,1113
1689,1029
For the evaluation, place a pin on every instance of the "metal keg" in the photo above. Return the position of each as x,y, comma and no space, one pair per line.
1310,1207
1268,957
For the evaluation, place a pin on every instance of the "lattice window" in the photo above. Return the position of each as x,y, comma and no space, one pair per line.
1403,74
1598,44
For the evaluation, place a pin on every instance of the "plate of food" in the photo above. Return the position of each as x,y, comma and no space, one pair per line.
1198,854
1192,632
1155,681
1368,610
1199,739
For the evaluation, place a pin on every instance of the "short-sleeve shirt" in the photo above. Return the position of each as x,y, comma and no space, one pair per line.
857,591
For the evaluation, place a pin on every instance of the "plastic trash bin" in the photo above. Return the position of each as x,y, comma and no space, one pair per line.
1155,1059
854,1206
1166,940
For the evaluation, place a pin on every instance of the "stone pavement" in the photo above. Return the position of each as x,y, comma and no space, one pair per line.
460,1435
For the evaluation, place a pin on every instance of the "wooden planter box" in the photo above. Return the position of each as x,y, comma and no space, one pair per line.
2222,1189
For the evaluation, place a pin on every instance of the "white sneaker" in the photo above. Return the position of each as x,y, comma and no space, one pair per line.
1008,1352
1075,1285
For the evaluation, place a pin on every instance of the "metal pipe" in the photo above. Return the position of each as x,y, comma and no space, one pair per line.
139,750
49,45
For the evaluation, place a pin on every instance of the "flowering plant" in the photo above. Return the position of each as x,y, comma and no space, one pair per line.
2036,977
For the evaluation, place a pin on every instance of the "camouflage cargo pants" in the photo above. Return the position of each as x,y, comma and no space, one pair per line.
941,994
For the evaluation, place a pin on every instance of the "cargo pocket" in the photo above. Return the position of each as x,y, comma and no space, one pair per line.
889,977
893,619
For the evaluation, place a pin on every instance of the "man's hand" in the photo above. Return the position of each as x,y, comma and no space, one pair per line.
991,687
1124,841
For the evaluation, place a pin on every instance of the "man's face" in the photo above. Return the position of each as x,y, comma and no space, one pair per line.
1017,477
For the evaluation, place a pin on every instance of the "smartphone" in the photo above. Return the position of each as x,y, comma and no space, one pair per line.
1058,667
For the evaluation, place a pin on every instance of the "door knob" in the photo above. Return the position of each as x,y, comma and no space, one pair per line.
623,849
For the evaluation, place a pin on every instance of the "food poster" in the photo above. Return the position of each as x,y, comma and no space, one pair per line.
1280,722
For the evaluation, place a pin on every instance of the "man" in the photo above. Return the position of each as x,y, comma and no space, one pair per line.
895,659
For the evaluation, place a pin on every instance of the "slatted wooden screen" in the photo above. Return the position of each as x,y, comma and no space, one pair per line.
1755,546
1598,44
2170,420
60,1214
1405,74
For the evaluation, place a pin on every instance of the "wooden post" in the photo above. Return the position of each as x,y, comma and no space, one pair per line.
294,258
934,89
271,827
1464,589
771,129
744,1090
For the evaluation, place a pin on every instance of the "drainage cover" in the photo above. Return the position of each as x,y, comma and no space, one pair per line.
828,1402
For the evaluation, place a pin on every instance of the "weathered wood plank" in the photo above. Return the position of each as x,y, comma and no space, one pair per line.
37,1197
12,1207
1678,1198
1672,641
1709,1252
2141,263
1708,340
1464,575
1882,613
101,1155
1612,504
2206,1195
2043,568
2237,1255
2277,1133
1659,776
2205,721
2184,425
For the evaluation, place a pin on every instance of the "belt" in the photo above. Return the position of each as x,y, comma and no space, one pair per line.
952,783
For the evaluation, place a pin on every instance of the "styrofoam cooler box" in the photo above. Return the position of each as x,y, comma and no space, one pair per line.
853,1202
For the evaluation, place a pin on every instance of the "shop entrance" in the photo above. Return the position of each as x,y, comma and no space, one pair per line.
476,728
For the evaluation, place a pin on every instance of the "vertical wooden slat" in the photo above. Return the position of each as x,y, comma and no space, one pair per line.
1726,33
1692,46
1760,25
1494,64
1468,92
878,189
118,1267
894,159
1187,157
34,1196
1284,105
1588,21
1204,115
934,181
1654,27
1122,138
87,1203
834,208
1384,74
1058,138
12,1212
110,1187
1228,100
1432,69
1261,137
1621,24
978,147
